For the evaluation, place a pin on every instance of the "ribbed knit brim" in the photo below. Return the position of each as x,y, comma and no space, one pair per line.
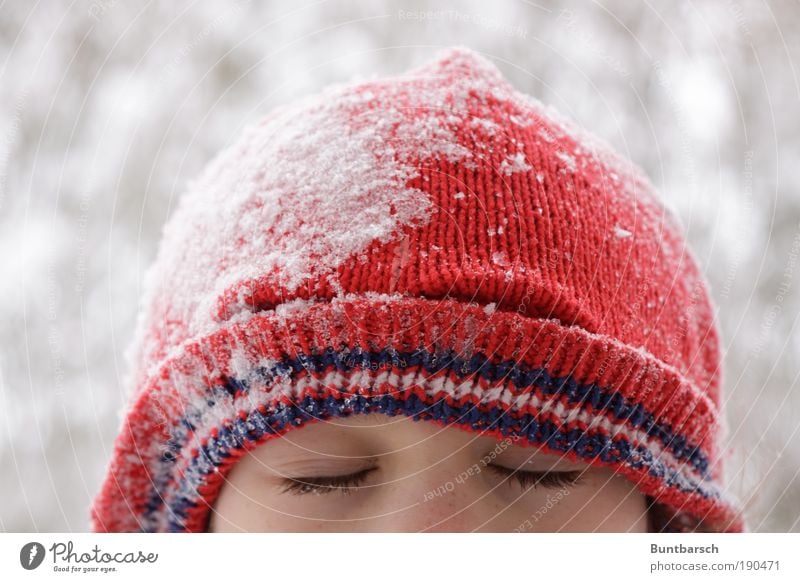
489,372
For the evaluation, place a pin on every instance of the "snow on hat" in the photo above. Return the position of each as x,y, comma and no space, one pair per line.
433,244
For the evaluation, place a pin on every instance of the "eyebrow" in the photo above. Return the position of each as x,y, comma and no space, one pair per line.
522,458
319,463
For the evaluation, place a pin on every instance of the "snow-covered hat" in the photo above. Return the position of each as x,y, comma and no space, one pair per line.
433,244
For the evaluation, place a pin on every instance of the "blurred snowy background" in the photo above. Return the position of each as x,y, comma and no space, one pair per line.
107,108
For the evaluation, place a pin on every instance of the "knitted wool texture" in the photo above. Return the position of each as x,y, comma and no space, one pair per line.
433,244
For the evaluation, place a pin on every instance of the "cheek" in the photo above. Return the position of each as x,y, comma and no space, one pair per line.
234,510
247,502
244,503
602,504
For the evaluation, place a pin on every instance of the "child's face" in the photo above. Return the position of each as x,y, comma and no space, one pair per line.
372,472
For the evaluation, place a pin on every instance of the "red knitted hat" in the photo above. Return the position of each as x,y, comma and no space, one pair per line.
434,244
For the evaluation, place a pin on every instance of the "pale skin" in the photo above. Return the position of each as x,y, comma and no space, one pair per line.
377,473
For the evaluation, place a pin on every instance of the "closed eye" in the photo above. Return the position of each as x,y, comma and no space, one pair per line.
347,483
324,485
546,479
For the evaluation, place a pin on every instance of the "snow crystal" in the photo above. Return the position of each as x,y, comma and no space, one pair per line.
337,285
487,125
620,232
370,295
568,160
500,258
546,135
499,230
489,308
540,177
515,163
459,195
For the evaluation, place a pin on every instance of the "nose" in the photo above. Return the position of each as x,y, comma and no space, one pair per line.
444,516
437,500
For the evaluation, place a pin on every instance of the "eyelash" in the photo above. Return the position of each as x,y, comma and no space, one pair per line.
547,479
346,483
325,485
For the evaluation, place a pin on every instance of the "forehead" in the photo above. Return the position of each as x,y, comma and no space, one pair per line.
375,434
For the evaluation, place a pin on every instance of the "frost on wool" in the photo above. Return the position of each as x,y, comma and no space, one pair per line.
568,160
317,181
515,163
